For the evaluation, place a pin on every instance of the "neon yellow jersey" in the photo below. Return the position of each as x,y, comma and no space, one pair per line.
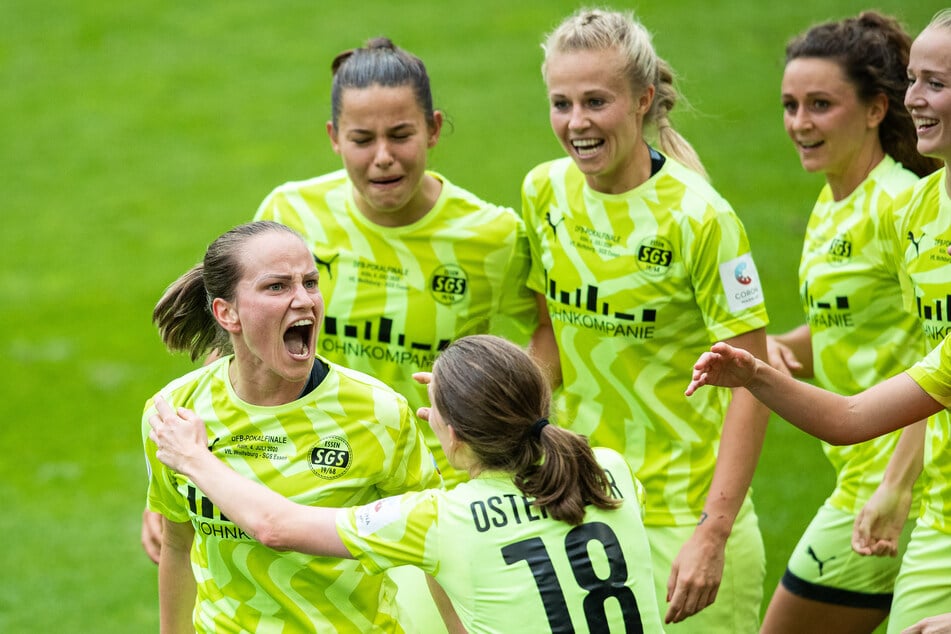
396,296
638,285
933,373
920,237
506,565
350,441
861,334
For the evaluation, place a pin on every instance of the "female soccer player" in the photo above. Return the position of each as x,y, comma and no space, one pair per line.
293,422
546,534
408,261
923,223
842,92
642,265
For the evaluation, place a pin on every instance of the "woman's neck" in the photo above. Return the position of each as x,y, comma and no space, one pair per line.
842,185
258,385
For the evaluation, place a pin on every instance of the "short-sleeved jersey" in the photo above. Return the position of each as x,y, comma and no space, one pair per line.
933,373
349,441
395,296
861,333
506,565
638,285
920,236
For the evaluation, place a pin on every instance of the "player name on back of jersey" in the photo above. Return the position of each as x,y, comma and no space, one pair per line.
512,509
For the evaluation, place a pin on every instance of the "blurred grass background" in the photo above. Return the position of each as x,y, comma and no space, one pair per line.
134,133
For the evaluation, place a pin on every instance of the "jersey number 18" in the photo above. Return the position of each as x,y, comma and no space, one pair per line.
533,552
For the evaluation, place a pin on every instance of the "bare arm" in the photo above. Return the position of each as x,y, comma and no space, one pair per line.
791,352
151,534
543,347
177,587
446,610
879,524
698,568
837,419
267,516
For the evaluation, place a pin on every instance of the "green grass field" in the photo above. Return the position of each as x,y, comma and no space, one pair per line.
134,133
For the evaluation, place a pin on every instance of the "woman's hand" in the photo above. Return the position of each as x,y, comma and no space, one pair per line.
724,366
180,436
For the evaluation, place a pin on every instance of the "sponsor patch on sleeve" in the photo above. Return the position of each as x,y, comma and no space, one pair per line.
372,517
741,283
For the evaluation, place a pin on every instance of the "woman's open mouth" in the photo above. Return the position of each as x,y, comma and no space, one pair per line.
297,338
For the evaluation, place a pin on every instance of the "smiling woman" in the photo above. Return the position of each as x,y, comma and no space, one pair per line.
301,426
842,93
641,264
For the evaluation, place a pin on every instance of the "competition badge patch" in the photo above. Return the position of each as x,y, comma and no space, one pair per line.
741,283
331,457
372,517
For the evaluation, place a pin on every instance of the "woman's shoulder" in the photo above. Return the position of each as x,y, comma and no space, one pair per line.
360,382
461,201
181,391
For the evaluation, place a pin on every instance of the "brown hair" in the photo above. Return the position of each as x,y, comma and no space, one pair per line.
183,314
380,62
872,51
493,395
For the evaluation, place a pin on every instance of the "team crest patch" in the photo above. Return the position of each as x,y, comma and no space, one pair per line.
655,255
331,457
449,284
840,249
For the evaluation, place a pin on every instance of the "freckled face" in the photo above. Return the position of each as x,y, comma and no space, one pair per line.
928,97
596,116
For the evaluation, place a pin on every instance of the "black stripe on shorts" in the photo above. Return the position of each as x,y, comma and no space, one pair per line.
836,596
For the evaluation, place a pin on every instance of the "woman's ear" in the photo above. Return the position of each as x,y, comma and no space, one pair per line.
226,315
332,133
435,129
877,110
645,100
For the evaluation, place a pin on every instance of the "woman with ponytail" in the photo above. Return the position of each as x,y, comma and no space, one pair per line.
545,535
843,90
297,424
641,265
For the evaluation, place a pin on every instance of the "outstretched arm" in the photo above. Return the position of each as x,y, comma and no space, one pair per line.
837,419
267,516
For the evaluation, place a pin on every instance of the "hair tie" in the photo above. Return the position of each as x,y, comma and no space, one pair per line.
538,426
